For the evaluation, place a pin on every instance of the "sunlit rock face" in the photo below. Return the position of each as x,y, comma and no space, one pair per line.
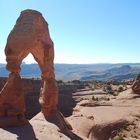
29,35
136,85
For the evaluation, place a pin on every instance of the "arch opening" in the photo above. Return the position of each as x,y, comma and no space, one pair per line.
30,68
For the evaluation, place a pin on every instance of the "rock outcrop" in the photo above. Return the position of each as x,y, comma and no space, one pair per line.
29,35
136,85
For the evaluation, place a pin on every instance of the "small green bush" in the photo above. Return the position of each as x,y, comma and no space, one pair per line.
118,138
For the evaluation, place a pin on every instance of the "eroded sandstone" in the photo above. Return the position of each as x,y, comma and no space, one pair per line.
29,35
136,85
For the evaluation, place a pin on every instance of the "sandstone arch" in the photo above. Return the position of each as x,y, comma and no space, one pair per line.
29,35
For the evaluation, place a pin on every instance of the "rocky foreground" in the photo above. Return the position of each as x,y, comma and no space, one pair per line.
96,116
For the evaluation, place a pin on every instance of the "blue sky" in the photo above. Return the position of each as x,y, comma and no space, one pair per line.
83,31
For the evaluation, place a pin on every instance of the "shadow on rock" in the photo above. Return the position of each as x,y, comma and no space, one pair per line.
25,132
63,125
66,103
104,131
136,96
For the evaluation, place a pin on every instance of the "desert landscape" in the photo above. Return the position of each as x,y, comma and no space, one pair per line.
69,70
96,110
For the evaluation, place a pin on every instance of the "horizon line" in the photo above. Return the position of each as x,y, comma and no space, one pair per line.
83,63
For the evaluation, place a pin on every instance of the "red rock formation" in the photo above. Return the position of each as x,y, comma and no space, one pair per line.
136,85
29,35
12,101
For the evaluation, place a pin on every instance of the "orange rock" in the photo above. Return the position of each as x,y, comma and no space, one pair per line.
29,35
136,85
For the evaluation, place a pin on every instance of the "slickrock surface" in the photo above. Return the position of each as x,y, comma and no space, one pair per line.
94,123
117,112
38,129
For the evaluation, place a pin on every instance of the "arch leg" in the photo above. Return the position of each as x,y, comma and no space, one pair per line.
12,105
49,90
